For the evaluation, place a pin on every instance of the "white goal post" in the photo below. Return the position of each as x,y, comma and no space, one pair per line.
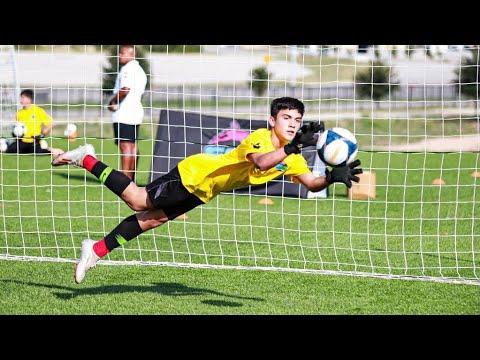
9,88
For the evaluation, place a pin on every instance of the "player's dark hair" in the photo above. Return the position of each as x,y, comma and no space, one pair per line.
27,93
286,103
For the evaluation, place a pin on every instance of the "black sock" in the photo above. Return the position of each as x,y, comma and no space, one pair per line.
115,180
125,231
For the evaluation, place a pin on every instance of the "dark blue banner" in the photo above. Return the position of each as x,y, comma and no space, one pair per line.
181,134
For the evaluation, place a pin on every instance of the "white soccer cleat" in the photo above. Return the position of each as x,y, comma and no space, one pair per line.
88,259
74,157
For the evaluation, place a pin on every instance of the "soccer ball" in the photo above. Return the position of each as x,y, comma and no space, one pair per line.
71,131
3,145
18,129
43,144
337,147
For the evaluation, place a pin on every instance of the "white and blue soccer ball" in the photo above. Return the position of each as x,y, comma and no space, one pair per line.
18,129
337,147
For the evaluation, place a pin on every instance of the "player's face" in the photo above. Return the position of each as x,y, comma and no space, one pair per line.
125,55
286,124
25,100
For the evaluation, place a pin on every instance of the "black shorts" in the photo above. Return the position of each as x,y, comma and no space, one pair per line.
20,147
125,132
168,193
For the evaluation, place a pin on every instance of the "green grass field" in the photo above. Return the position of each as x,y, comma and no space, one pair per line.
414,230
48,288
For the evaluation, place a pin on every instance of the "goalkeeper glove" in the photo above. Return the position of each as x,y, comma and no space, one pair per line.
344,174
305,136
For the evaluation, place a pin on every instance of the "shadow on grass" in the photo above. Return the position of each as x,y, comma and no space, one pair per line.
166,289
221,303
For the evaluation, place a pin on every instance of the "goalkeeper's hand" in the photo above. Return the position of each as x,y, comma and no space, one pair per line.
305,136
344,174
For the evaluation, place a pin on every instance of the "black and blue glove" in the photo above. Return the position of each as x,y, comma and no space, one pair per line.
305,136
344,174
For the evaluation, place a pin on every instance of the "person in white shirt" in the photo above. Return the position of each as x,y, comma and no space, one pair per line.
126,105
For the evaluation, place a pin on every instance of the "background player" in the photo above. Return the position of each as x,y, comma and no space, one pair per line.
126,105
37,123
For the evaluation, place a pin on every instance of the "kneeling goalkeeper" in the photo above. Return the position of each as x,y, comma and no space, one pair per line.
262,156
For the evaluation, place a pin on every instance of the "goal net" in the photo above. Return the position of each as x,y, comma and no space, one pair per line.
413,109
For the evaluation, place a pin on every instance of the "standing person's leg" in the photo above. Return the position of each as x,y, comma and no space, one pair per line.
129,158
126,138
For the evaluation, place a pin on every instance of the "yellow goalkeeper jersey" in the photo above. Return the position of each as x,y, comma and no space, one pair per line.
206,175
33,118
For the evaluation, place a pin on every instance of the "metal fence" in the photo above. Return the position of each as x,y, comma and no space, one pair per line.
330,92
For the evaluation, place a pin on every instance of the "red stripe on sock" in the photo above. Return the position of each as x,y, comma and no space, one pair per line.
100,248
89,162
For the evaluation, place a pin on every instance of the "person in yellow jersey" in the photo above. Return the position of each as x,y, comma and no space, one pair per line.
37,124
262,156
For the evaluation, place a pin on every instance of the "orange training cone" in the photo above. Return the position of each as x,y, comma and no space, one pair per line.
438,182
266,201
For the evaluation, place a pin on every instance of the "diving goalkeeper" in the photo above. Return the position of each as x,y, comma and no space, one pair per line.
262,156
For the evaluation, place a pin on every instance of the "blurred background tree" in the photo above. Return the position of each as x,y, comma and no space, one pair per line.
259,81
468,75
376,81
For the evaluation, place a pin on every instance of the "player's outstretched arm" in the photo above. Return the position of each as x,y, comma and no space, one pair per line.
46,129
265,161
311,182
340,174
305,136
